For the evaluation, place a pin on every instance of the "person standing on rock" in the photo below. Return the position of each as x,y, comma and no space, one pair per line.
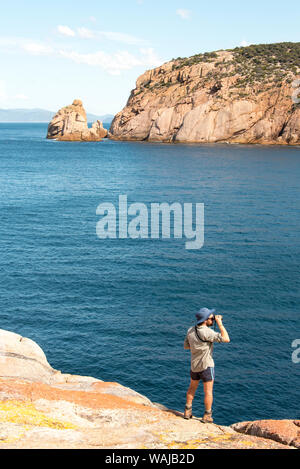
199,340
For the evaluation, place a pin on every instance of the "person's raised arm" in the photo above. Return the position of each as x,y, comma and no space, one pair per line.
224,333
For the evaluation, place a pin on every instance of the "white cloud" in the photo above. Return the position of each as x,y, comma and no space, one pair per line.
36,48
114,63
28,45
100,58
124,38
121,37
184,14
86,33
150,58
65,31
244,43
93,19
8,42
21,97
111,36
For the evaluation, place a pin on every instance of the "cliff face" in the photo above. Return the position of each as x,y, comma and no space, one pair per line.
70,124
242,95
43,408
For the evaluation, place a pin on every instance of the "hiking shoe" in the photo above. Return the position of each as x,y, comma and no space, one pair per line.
188,412
207,417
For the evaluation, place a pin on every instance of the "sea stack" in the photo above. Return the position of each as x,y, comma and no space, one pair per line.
70,124
244,95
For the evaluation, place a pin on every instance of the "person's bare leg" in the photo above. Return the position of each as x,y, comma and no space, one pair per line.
208,400
208,395
191,392
189,398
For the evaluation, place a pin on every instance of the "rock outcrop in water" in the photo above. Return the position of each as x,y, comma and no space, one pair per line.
43,408
242,95
70,124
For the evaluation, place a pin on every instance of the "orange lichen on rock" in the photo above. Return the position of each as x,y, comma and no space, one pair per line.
93,399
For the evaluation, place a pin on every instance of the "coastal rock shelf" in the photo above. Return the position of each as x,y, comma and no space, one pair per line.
70,124
43,408
244,95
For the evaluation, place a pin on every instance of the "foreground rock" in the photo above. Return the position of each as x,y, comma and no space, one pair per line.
43,408
283,431
244,95
70,124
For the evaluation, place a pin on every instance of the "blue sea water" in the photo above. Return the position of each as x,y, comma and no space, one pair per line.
119,310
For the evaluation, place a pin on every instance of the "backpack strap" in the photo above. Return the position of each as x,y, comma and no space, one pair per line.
202,340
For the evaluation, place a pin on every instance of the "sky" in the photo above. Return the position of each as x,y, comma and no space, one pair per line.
54,52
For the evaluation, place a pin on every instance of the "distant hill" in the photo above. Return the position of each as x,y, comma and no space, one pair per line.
42,115
106,119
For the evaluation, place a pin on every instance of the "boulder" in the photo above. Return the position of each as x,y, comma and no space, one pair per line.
21,357
282,431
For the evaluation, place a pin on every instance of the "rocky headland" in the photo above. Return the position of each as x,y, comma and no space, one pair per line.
41,407
70,124
244,95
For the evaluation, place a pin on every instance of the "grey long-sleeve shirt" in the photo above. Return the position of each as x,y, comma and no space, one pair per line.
201,352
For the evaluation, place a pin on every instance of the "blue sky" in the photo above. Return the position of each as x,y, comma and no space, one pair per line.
54,52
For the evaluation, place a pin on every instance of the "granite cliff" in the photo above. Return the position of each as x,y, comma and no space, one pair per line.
41,407
70,124
244,95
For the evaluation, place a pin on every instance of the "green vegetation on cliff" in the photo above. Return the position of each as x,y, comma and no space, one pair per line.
258,63
254,63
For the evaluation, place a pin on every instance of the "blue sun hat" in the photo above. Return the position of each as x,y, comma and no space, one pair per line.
204,314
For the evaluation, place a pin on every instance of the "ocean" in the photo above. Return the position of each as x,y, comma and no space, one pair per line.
119,309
